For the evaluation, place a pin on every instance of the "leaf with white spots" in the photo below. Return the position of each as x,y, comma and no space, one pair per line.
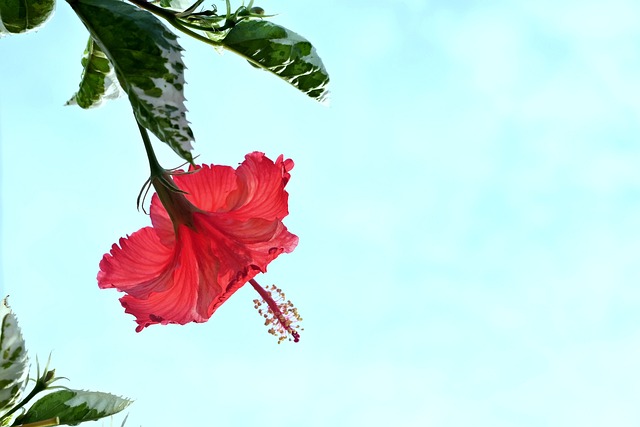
13,359
73,407
98,79
148,63
282,52
22,16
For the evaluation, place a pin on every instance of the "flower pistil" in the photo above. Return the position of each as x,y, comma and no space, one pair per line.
280,314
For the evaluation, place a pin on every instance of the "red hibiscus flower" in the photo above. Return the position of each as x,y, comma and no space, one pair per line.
214,228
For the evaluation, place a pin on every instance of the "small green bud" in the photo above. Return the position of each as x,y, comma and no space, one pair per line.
49,377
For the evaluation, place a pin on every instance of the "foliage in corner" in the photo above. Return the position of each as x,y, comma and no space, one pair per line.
282,52
73,407
22,16
262,43
98,79
65,406
13,359
148,63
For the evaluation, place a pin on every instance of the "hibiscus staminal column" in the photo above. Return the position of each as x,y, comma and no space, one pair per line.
281,315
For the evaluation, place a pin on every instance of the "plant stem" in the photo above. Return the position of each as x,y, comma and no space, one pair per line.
154,165
36,389
55,421
156,170
176,23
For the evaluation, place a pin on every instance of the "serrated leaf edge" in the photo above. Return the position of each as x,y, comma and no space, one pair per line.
312,58
12,347
93,401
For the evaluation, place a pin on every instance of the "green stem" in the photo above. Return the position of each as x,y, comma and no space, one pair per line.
187,25
157,171
178,24
55,421
39,387
154,165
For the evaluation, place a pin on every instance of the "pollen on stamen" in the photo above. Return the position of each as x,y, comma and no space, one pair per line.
279,313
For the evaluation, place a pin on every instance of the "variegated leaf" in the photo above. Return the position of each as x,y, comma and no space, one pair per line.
13,359
21,16
73,407
282,52
98,79
148,63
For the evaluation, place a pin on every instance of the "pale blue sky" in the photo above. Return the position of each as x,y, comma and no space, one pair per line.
468,210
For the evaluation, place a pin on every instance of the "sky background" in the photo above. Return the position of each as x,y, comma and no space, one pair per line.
468,210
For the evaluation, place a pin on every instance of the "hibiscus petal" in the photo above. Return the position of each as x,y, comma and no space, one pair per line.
161,221
287,165
254,230
260,191
192,293
239,244
175,305
282,241
208,187
176,302
138,266
265,252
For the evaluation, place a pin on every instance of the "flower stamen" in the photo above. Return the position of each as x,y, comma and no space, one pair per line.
280,314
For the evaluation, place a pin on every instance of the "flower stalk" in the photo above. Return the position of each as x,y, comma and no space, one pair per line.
179,208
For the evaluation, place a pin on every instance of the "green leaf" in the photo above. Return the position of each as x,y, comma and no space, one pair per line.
13,359
98,79
148,63
74,407
21,16
281,51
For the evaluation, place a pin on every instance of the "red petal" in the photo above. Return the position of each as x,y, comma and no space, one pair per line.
240,244
191,291
208,187
138,265
161,221
176,301
260,191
